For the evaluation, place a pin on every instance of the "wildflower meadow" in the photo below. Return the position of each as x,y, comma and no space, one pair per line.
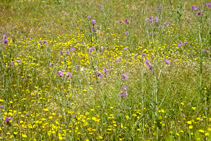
111,70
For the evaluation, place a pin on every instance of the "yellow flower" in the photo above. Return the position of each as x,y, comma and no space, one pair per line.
190,127
206,134
189,122
201,131
24,136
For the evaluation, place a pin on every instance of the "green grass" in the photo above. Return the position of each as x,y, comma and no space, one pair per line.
169,102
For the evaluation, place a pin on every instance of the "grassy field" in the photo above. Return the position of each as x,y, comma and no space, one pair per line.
105,70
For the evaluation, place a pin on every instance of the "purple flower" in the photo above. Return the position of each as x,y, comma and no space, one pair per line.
5,41
51,64
167,61
124,76
186,43
68,74
156,19
101,48
125,48
39,42
93,29
1,106
208,47
93,22
120,21
67,52
77,66
30,38
61,52
99,75
18,61
104,39
44,41
185,3
150,33
105,70
204,51
7,119
165,25
91,49
143,54
12,62
4,36
14,27
126,32
125,89
89,17
193,7
179,44
61,74
146,61
126,21
72,49
8,66
150,67
122,95
198,13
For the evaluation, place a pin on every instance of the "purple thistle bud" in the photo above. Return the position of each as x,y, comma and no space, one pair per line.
150,67
125,89
165,25
167,61
30,38
93,22
7,119
150,33
51,64
124,76
89,17
120,21
122,95
61,74
126,21
5,41
198,13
